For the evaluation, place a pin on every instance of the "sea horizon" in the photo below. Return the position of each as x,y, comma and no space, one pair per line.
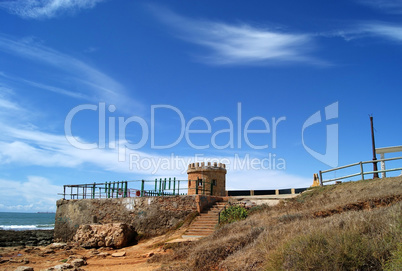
19,221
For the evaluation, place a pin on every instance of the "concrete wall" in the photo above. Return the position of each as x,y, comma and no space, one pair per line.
147,215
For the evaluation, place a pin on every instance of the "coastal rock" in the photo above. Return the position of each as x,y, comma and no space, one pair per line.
64,266
10,238
24,268
119,254
57,245
103,254
73,257
78,262
115,235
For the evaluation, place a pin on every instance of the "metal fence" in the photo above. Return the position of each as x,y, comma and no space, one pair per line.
135,188
361,172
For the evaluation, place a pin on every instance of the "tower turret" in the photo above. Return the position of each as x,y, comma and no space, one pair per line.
202,179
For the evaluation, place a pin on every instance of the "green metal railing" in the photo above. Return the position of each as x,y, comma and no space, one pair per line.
136,188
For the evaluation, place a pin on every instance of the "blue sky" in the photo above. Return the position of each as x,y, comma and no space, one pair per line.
95,91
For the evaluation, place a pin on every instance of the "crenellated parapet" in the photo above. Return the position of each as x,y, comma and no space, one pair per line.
206,167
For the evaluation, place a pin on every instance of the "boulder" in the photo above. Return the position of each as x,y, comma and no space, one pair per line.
57,245
103,254
64,266
24,268
116,235
119,254
78,262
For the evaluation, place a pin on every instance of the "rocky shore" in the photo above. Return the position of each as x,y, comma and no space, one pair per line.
10,238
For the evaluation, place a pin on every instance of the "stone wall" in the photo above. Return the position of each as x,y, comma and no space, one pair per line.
147,215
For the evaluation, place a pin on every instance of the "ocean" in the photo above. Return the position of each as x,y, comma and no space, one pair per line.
26,221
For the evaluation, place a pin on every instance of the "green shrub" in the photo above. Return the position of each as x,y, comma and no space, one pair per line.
232,214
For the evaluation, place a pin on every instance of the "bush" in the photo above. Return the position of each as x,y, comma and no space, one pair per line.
232,214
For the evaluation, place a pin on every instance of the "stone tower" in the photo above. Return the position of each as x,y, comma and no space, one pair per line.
204,178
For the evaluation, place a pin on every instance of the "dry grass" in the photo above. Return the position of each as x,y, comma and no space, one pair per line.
291,237
348,241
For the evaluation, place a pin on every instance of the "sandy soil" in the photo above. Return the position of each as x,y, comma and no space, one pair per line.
135,258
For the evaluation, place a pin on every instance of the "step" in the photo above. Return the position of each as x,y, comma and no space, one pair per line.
204,224
206,221
199,232
201,222
185,236
208,215
210,219
202,227
217,209
194,232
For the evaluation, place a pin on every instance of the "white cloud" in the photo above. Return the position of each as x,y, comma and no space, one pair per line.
241,44
44,9
389,6
34,194
10,109
25,145
47,87
8,105
388,31
32,147
93,84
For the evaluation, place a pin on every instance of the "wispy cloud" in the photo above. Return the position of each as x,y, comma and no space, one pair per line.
28,146
6,103
388,6
45,9
10,109
46,87
34,148
239,44
92,83
388,31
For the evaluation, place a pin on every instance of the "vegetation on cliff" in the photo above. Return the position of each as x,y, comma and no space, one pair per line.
350,226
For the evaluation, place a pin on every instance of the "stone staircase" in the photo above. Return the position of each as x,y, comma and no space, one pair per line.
204,224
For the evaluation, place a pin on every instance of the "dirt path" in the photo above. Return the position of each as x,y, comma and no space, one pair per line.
135,257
